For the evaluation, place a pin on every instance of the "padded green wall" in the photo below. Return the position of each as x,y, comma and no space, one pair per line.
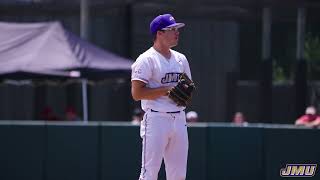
113,151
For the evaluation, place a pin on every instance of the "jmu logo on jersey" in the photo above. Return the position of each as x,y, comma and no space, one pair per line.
298,170
170,77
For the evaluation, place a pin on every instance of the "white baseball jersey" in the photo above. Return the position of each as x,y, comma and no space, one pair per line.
155,70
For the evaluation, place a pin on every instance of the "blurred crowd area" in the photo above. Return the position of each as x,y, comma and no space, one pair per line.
257,57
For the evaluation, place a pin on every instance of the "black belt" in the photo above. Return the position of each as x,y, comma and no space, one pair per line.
166,112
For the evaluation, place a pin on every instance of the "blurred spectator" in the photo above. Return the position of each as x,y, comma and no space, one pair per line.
310,118
137,116
192,116
239,119
71,114
48,114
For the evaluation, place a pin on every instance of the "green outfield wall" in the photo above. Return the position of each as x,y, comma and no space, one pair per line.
32,150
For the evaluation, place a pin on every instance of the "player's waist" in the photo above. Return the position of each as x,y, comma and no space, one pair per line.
169,112
163,104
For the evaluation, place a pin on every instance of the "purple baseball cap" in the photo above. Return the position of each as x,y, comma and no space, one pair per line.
162,22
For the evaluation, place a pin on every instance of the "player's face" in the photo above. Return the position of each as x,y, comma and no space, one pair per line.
171,36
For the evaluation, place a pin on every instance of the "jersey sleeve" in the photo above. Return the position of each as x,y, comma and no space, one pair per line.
186,67
141,70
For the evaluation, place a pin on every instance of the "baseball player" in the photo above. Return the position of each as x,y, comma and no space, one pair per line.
163,129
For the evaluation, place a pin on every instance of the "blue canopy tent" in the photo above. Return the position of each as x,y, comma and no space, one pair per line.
47,50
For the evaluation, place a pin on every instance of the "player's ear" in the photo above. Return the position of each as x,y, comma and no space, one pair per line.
158,33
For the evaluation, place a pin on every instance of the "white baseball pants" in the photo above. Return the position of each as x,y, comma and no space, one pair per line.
164,135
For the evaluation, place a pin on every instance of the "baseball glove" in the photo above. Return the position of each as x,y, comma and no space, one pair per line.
181,94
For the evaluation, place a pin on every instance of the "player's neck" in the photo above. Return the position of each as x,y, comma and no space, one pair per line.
165,51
